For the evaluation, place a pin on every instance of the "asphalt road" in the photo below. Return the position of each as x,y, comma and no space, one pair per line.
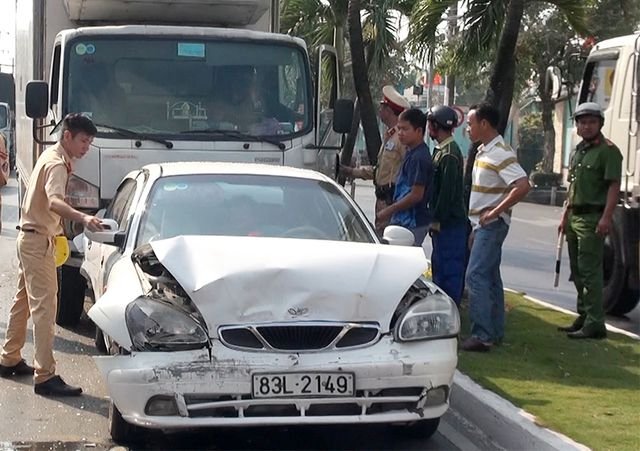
528,257
38,423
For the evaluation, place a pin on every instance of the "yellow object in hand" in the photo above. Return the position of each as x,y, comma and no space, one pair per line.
62,250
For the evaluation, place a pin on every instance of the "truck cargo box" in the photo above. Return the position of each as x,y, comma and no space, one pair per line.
209,12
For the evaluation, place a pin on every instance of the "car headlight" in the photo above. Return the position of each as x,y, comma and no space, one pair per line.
157,326
432,316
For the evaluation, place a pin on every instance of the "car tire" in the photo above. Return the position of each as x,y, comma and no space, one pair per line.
422,429
71,292
121,431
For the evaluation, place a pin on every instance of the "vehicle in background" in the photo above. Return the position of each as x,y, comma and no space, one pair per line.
273,304
612,79
172,92
6,128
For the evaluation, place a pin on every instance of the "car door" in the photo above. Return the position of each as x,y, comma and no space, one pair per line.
100,257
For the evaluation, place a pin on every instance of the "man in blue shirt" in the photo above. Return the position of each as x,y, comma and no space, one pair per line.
413,186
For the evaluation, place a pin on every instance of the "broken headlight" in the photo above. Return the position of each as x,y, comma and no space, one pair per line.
158,326
426,313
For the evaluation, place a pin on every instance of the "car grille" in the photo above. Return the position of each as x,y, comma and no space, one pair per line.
299,337
364,402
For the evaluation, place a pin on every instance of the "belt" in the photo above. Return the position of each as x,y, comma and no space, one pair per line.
26,230
586,209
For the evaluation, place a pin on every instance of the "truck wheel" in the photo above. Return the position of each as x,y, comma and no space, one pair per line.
71,292
618,297
120,430
422,429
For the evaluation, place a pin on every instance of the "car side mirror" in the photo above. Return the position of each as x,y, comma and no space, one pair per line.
342,115
398,236
110,235
37,99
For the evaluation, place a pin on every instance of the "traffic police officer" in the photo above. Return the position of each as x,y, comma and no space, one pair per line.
449,227
40,222
390,156
594,174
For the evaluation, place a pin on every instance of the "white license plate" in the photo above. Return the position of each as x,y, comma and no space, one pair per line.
278,385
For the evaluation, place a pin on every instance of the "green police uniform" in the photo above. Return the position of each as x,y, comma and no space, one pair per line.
594,166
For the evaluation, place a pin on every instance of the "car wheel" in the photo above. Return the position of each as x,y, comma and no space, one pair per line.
71,291
422,429
120,430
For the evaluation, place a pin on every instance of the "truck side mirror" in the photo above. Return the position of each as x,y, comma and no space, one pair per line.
553,82
342,115
37,99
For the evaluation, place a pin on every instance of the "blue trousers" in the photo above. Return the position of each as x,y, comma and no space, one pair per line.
486,293
448,259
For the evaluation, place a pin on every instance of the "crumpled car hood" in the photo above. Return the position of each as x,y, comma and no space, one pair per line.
237,280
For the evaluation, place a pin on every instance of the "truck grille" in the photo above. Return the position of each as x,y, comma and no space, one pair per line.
299,337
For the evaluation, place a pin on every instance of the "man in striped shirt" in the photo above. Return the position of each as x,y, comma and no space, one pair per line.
498,183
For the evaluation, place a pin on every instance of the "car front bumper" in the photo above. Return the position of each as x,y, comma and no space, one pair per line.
394,383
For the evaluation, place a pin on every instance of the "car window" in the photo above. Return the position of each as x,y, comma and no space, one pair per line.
249,205
121,202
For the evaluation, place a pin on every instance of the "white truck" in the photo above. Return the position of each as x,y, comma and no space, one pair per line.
168,80
612,79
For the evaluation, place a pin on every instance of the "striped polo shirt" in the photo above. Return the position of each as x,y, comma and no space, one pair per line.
495,169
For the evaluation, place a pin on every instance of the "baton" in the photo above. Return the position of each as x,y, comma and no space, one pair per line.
558,258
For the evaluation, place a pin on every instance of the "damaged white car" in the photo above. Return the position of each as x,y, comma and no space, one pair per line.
250,295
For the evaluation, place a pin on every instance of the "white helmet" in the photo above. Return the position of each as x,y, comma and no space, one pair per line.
588,109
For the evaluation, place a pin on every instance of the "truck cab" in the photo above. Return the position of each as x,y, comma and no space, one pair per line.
611,78
162,84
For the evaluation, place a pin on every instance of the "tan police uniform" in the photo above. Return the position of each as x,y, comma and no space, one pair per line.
390,158
37,280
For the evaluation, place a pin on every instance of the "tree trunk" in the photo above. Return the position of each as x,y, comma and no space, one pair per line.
503,74
361,82
549,134
346,155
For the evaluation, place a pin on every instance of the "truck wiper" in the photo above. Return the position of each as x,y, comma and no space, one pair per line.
136,135
238,135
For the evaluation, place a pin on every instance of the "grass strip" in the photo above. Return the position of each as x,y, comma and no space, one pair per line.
588,390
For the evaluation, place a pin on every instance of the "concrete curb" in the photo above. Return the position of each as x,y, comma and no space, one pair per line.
506,425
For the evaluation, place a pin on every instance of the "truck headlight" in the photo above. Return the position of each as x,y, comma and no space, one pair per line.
157,326
432,317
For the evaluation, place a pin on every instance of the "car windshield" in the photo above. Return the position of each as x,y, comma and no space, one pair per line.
249,205
169,86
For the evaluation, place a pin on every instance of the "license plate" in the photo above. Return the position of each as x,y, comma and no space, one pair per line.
279,385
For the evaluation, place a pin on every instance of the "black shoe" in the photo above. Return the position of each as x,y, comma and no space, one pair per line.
575,327
587,332
56,387
474,344
20,369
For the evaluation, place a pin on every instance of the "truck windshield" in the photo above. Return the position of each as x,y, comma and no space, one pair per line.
170,86
598,82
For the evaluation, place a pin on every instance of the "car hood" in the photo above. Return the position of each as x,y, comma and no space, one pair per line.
240,280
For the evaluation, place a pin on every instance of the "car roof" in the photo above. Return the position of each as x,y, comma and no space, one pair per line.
209,167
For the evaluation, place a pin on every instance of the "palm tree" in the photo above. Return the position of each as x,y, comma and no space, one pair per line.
321,22
488,24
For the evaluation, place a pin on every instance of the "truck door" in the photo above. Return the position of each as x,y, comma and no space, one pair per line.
327,91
